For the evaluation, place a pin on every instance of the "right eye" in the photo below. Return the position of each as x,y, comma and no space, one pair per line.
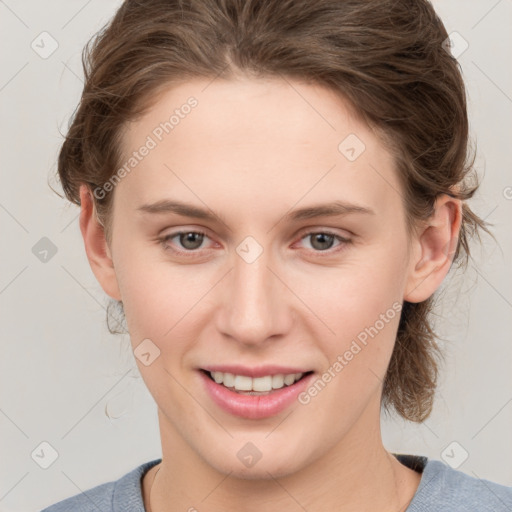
190,242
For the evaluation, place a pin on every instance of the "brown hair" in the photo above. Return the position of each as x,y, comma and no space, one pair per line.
389,58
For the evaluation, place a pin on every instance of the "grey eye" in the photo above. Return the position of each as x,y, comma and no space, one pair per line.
321,241
191,240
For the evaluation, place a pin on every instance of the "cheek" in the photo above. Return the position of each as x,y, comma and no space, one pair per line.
168,304
356,296
363,310
360,308
160,297
155,293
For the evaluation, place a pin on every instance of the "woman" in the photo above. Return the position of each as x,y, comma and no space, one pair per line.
273,191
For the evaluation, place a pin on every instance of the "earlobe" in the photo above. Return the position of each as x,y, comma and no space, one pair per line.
434,248
96,247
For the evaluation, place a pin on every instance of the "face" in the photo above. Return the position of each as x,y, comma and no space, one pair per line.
287,254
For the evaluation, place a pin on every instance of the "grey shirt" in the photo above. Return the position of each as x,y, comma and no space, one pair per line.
441,489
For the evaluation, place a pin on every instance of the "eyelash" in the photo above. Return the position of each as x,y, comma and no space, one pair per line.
194,253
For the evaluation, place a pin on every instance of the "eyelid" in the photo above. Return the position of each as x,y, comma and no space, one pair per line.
343,240
164,240
327,230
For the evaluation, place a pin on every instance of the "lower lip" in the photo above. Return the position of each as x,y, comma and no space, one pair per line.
254,407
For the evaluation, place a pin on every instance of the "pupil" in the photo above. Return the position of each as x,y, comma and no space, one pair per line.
190,240
324,239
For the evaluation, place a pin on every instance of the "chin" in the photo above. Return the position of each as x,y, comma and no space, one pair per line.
260,471
250,464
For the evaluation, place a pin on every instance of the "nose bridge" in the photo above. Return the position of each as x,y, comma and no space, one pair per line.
254,307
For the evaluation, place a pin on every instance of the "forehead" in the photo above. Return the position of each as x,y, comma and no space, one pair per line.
249,112
258,138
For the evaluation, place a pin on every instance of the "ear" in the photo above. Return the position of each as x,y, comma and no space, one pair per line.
96,247
433,248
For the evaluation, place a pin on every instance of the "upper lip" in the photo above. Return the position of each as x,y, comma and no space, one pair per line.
254,371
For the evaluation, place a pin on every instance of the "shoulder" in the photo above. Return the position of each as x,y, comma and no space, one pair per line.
97,498
123,495
443,488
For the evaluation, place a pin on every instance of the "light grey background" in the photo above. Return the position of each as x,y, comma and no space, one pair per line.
61,370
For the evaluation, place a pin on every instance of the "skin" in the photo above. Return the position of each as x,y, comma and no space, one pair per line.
250,151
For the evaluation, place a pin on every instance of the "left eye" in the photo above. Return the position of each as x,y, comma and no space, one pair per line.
323,241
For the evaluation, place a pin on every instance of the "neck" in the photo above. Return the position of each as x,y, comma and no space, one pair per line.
357,474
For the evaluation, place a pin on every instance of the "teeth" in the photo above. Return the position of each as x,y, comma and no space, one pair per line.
277,381
243,383
289,379
228,379
262,384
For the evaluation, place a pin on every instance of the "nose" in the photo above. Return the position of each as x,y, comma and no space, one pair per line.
255,303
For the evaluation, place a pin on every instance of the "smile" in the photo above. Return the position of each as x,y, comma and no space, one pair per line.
256,385
254,397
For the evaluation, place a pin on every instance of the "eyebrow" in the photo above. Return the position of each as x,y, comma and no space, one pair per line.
335,208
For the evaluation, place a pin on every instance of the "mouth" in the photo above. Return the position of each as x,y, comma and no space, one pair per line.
255,386
266,393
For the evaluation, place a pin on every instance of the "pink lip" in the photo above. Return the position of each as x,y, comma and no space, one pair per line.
251,406
256,371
